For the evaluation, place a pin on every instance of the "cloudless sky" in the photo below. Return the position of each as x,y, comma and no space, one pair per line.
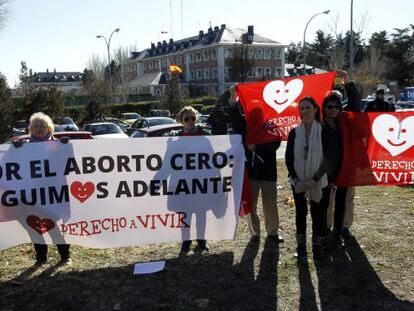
61,34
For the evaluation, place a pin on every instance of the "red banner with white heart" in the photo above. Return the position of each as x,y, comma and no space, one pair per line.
378,149
121,192
271,107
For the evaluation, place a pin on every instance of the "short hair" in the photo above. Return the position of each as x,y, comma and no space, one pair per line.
184,110
40,116
380,92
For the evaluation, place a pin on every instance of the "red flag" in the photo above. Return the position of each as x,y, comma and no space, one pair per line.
378,149
271,107
246,199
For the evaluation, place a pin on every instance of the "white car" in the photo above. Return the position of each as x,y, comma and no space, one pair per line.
103,130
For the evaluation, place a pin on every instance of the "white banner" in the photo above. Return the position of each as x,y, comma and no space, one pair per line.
123,192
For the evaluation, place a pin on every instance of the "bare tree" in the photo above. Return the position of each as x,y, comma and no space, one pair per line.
4,11
97,65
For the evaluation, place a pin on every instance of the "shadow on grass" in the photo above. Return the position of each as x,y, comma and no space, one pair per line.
259,293
347,281
185,284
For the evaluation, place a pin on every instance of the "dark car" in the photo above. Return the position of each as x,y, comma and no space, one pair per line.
150,122
21,126
156,130
71,135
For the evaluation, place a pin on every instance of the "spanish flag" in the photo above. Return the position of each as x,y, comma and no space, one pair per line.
175,69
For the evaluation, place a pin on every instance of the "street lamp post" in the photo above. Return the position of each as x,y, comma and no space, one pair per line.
304,39
351,44
108,46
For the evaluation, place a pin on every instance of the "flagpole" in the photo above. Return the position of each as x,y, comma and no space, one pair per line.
171,18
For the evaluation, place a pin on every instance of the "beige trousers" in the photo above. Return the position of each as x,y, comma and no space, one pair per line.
269,201
349,208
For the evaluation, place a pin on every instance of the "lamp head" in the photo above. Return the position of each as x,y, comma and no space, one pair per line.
99,37
326,12
117,30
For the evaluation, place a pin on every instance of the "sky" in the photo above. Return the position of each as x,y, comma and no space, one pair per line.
61,34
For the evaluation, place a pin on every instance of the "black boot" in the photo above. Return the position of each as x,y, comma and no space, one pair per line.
301,247
318,247
185,247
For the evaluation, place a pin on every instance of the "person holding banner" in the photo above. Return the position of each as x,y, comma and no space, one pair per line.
40,130
304,161
187,117
341,197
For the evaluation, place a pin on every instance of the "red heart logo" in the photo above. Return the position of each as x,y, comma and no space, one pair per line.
82,191
40,225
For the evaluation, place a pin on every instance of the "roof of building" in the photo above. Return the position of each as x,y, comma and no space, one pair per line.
216,35
148,79
55,76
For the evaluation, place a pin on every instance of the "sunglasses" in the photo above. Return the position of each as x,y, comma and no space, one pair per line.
330,107
186,119
39,126
306,108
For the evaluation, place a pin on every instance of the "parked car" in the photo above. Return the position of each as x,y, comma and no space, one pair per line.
21,126
404,106
149,122
156,130
159,113
130,117
68,124
71,135
122,125
104,130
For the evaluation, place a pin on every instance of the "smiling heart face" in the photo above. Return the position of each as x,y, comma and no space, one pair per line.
279,95
41,225
82,191
394,136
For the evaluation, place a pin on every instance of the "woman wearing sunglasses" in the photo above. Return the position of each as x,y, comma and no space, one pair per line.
304,160
187,117
333,152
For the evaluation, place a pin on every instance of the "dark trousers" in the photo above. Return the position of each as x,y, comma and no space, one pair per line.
318,213
339,208
41,251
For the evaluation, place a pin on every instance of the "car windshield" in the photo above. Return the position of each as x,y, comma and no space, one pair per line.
21,124
101,129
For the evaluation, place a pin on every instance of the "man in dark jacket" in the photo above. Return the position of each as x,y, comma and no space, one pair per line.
379,104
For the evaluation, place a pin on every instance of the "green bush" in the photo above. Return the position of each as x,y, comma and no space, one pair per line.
198,107
204,101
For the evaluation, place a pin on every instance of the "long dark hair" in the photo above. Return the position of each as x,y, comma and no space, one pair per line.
315,105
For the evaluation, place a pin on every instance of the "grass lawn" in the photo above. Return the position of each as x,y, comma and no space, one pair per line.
375,272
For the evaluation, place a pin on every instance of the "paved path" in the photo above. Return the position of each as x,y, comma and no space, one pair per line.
280,153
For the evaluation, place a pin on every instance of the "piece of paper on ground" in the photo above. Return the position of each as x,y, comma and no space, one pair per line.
149,267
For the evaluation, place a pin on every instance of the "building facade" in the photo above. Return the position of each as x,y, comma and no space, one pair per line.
203,59
66,82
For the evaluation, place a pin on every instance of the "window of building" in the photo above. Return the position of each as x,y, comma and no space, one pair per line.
267,54
206,73
163,63
267,72
251,53
190,58
227,72
214,54
227,53
156,64
259,72
278,73
150,65
214,73
250,73
259,54
191,74
178,60
278,53
206,55
199,74
198,57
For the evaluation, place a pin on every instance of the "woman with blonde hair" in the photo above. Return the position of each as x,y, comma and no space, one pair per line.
40,130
